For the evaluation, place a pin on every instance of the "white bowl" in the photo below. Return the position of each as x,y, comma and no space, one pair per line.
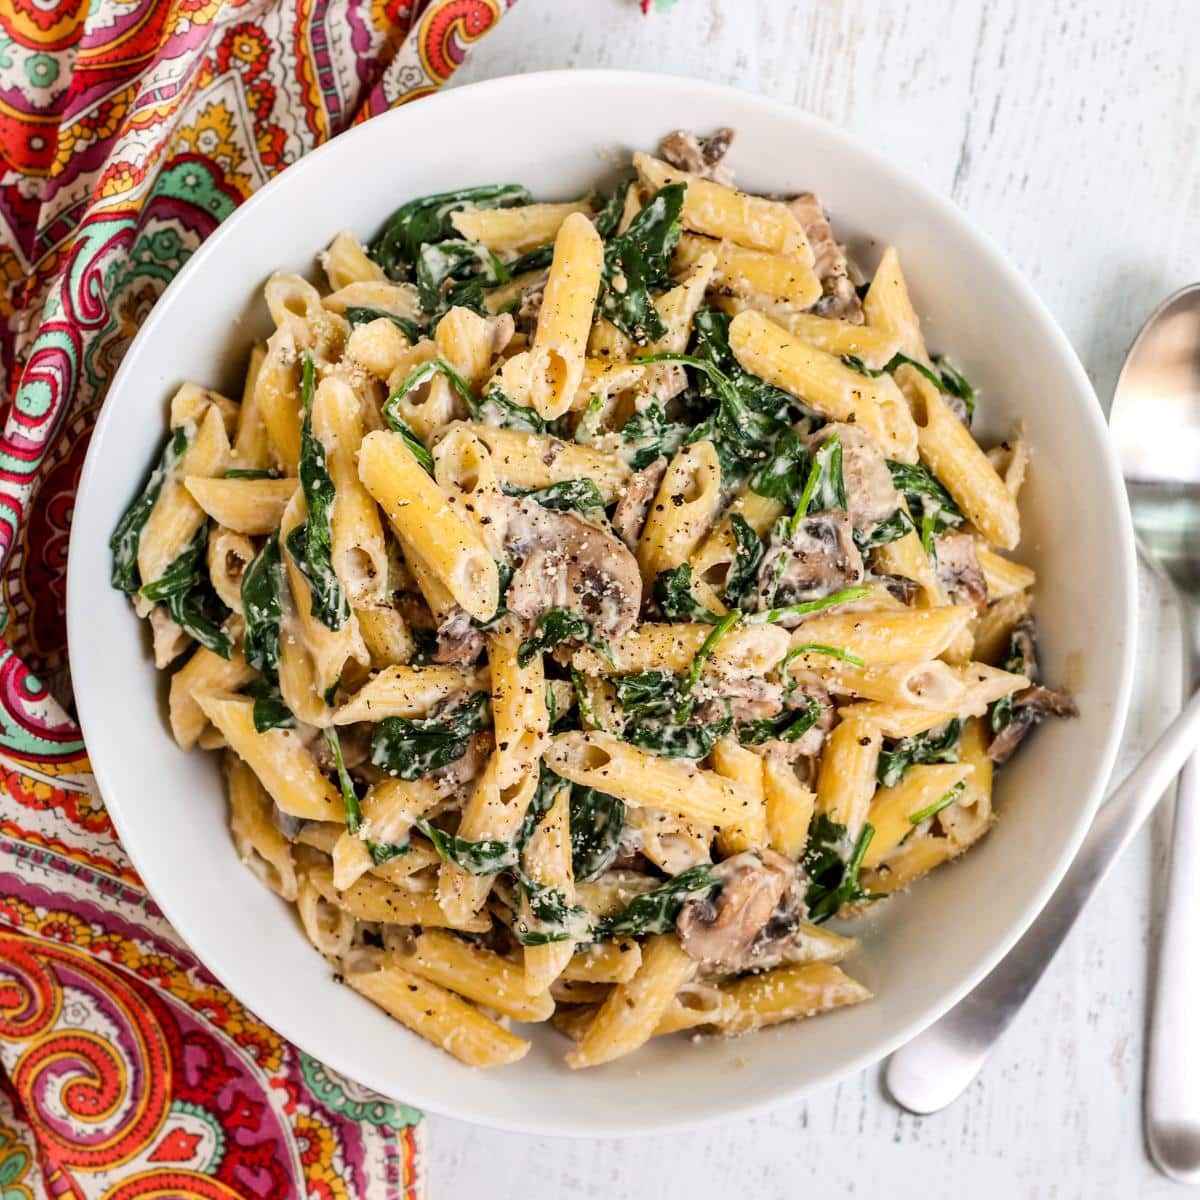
557,132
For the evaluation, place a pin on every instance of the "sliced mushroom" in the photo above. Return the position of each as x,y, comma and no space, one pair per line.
720,932
286,823
530,307
631,510
817,560
567,562
459,643
871,496
1029,707
699,156
840,298
959,570
900,586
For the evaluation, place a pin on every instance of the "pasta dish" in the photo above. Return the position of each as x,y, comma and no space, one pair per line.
589,601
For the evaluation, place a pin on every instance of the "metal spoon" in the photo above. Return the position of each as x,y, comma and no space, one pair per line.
1156,419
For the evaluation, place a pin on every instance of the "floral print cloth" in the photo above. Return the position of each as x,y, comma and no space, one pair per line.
128,130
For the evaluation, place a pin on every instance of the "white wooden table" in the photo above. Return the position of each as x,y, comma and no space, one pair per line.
1070,131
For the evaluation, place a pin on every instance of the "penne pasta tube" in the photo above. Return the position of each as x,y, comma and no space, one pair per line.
687,502
407,691
445,539
846,779
278,757
644,780
250,506
893,809
203,672
883,639
628,1017
438,1015
517,229
787,994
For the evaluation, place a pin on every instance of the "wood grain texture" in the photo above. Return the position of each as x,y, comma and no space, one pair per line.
1068,130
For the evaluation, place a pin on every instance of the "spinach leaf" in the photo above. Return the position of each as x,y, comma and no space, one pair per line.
548,787
833,878
579,495
715,637
769,615
270,711
412,749
415,378
185,591
249,473
311,543
361,315
931,747
954,383
596,823
638,262
649,436
931,505
655,911
782,476
890,529
710,342
825,488
1014,661
550,918
936,807
741,581
262,603
790,725
128,533
537,259
789,684
673,594
946,378
442,265
498,410
427,219
652,692
345,783
485,857
609,217
560,625
676,739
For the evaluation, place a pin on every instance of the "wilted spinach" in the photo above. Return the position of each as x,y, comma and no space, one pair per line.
559,625
742,578
270,711
655,911
412,748
638,262
789,725
649,436
932,508
488,856
311,543
262,604
185,591
1016,663
578,495
427,219
609,217
936,807
596,823
128,533
454,273
832,875
782,476
931,747
673,595
498,410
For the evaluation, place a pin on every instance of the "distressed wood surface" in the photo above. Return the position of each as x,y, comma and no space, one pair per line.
1069,130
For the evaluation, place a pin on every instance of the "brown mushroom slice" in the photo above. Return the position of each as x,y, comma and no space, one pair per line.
871,496
699,156
818,559
720,931
459,642
959,570
567,562
630,514
840,298
1029,707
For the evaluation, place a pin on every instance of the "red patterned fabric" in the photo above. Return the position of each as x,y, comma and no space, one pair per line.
128,130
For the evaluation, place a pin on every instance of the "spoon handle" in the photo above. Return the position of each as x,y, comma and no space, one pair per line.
1173,1064
937,1066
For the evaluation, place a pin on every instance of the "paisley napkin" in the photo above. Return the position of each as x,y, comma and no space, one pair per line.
128,130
